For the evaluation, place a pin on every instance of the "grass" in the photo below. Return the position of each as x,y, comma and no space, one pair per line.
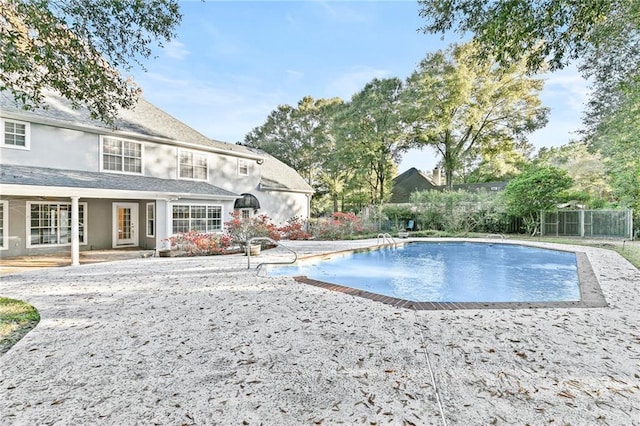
630,250
16,319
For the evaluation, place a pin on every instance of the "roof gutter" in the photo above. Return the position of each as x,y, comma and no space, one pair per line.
67,191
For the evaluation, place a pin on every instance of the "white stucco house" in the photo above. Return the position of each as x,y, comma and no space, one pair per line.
69,181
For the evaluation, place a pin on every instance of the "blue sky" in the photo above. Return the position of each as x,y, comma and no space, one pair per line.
233,62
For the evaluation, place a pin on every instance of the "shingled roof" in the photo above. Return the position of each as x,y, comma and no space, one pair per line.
41,176
413,180
148,120
145,119
276,175
405,184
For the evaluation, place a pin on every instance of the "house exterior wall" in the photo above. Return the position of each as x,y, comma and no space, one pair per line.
16,227
76,148
282,206
56,148
60,148
223,172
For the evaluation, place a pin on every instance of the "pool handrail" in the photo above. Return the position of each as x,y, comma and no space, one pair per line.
277,243
385,237
501,236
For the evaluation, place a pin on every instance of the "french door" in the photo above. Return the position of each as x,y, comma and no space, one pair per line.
125,224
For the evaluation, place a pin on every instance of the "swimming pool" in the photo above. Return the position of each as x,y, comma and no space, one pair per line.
452,272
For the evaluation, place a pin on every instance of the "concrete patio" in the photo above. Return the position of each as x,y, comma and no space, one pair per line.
206,341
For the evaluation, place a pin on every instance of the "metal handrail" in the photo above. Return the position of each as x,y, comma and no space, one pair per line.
385,237
501,236
268,263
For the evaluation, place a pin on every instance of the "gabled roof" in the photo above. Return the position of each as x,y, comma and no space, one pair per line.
413,180
482,186
56,178
405,184
276,175
145,120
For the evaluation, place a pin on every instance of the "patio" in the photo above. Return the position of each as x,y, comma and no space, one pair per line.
205,341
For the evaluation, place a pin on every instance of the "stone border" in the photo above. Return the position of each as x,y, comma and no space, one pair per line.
591,295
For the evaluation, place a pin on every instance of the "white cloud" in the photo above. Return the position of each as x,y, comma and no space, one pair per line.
566,89
176,50
351,82
340,12
296,75
223,111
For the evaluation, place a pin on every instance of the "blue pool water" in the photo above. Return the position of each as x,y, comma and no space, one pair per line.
452,272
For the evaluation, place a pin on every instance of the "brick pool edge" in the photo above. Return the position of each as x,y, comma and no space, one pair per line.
591,295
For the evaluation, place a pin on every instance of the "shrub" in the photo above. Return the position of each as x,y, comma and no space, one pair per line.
196,243
460,211
339,227
294,230
240,229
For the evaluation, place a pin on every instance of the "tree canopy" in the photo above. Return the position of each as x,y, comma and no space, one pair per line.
466,107
370,133
601,36
537,188
80,48
545,32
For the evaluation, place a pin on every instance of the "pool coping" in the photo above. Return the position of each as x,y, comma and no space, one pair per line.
591,295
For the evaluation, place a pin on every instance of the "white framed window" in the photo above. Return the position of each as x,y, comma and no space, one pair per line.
16,134
243,167
49,224
151,219
4,224
193,165
246,213
120,155
196,217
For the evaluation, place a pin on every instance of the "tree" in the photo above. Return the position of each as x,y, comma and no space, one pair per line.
587,169
299,136
371,133
465,107
618,138
79,48
537,188
499,162
542,32
602,35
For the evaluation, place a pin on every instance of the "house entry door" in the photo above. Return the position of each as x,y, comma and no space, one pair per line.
125,224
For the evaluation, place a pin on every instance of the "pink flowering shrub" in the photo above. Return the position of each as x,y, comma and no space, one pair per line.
294,230
338,227
196,243
242,229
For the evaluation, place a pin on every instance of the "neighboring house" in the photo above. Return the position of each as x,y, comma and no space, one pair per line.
413,180
68,180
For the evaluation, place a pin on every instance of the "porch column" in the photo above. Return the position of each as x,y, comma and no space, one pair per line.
75,231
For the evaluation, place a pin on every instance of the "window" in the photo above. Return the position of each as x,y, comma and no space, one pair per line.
50,223
243,167
201,218
4,224
119,155
245,213
16,134
151,219
192,165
